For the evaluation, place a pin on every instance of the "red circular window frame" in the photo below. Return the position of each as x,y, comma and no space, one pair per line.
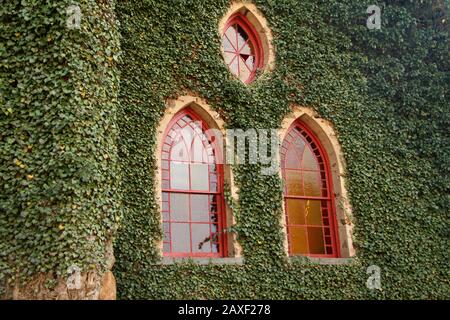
245,24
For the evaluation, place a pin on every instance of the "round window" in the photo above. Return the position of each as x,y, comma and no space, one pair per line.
242,48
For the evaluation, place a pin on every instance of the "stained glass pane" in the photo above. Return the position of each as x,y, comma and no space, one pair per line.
292,160
312,183
309,160
307,217
315,241
296,211
313,212
298,240
293,181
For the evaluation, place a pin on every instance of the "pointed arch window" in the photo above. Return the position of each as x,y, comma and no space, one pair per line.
308,195
242,48
192,189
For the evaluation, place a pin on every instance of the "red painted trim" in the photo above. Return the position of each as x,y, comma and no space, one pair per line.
253,35
330,198
221,213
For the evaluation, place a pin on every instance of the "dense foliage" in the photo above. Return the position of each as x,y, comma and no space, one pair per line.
58,157
385,91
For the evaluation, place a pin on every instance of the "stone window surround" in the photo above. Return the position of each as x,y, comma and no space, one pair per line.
325,134
214,121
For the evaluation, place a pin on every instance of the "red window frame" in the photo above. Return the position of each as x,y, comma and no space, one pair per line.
312,141
253,37
219,193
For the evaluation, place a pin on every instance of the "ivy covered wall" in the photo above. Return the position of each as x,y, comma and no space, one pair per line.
58,157
386,93
74,159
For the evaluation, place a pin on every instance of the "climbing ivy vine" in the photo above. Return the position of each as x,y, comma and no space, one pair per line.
77,155
59,174
386,93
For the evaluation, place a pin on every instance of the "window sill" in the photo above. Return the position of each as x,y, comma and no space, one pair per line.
203,261
322,261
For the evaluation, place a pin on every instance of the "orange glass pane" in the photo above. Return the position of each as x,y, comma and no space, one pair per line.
309,161
295,211
298,240
293,181
312,184
313,212
292,159
298,143
307,218
315,241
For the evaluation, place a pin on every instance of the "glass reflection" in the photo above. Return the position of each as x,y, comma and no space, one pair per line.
199,208
179,175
